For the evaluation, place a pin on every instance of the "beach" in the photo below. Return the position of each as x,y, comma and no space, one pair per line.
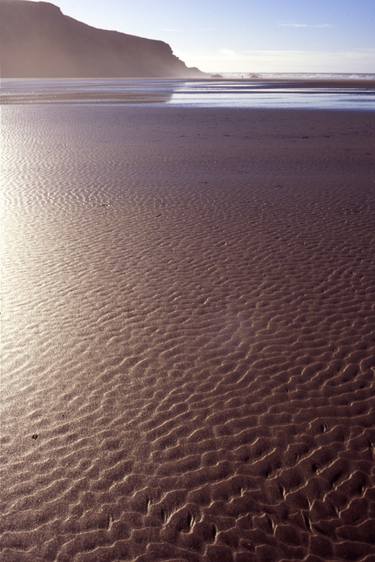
188,320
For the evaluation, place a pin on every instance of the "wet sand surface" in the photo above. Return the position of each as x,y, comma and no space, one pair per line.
188,333
260,93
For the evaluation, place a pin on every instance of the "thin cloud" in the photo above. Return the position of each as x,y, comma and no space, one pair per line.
229,53
172,30
307,25
180,30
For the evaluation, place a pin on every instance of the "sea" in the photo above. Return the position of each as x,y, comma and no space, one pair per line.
278,90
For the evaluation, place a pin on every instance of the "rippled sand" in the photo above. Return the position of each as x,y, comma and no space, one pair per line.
188,335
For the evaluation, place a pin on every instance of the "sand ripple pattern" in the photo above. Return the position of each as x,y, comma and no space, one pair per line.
188,333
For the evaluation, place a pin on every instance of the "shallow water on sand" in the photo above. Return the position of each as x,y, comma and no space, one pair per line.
188,335
208,93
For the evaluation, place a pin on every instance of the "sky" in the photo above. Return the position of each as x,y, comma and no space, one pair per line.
246,35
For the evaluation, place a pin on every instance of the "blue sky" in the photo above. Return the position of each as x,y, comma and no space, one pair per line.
247,35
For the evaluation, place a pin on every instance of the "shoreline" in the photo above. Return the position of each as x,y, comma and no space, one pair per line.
189,93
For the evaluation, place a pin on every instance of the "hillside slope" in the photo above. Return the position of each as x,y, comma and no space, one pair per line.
38,40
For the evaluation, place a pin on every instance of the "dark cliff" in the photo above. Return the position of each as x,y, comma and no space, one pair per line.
38,40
